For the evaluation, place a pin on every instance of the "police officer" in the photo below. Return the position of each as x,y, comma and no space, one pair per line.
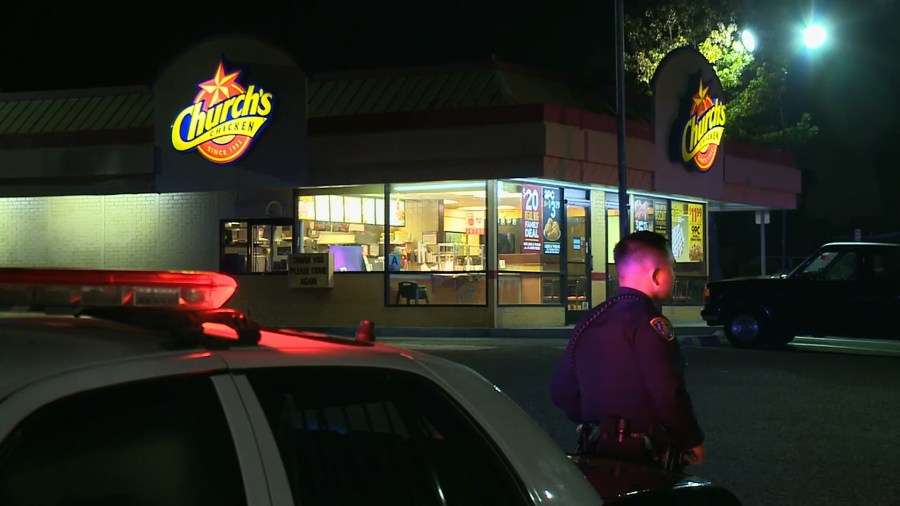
621,375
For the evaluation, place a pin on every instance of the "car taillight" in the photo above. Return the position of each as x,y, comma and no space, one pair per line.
706,295
115,288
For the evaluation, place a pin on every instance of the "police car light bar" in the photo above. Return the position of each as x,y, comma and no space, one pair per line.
80,288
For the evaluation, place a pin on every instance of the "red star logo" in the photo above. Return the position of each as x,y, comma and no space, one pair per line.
702,101
221,86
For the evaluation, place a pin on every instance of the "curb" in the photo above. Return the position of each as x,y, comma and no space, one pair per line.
710,340
687,335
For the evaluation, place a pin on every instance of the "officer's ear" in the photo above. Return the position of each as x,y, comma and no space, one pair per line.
655,275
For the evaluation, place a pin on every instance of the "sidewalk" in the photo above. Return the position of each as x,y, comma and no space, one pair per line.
690,333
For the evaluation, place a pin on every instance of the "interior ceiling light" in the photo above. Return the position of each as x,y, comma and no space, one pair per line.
450,185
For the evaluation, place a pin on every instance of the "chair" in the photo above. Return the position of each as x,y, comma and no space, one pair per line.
410,290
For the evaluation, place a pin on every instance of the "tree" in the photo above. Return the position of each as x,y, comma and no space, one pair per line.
753,86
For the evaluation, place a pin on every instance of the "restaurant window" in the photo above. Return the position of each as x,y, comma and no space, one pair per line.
649,213
683,224
529,244
688,240
346,221
436,243
255,246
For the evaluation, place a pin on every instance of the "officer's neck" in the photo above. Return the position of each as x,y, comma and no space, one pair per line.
637,286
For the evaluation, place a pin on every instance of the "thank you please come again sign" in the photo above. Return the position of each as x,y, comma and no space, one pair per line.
311,270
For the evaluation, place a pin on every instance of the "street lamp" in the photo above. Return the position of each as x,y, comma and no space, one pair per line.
748,39
814,36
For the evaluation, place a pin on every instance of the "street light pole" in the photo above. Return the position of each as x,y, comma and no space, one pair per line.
620,108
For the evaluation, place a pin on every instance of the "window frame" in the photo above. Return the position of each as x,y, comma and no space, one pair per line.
476,277
229,260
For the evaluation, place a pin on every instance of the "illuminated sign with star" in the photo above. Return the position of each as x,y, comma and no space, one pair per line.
224,119
703,130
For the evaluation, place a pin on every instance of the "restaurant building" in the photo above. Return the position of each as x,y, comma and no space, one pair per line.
470,196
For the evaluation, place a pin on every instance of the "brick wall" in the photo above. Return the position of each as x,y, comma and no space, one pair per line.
135,231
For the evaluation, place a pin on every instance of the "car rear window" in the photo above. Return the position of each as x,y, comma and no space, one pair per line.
362,436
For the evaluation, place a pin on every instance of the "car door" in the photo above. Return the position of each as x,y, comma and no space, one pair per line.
878,298
824,291
365,435
152,441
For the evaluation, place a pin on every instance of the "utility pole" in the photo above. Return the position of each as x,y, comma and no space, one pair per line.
624,223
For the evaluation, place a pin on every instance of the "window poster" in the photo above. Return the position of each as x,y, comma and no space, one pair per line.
531,218
306,208
659,218
398,213
679,231
612,225
322,207
695,224
687,232
474,223
642,212
552,198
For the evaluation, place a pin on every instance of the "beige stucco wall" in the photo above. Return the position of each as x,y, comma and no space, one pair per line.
590,156
509,317
761,183
137,231
354,297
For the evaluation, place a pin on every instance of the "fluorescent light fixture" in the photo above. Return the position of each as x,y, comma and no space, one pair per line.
506,208
550,182
609,189
450,201
448,185
472,208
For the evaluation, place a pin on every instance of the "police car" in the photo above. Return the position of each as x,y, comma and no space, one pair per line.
139,388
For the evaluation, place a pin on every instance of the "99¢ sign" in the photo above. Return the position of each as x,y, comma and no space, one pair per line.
531,218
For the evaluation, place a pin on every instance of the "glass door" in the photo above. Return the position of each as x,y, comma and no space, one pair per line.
578,260
262,248
255,246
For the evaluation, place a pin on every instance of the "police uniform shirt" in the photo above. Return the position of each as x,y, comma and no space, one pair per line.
626,363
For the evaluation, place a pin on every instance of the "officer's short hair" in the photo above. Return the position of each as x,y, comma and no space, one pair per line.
640,243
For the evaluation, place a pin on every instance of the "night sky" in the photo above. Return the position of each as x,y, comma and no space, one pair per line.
850,87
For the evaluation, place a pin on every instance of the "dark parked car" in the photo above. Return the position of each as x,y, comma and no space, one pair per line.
843,289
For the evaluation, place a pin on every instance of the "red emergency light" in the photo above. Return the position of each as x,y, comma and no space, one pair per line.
115,288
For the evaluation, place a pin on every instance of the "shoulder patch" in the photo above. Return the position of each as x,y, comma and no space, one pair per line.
663,326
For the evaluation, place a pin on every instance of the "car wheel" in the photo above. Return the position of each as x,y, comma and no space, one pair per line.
745,330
